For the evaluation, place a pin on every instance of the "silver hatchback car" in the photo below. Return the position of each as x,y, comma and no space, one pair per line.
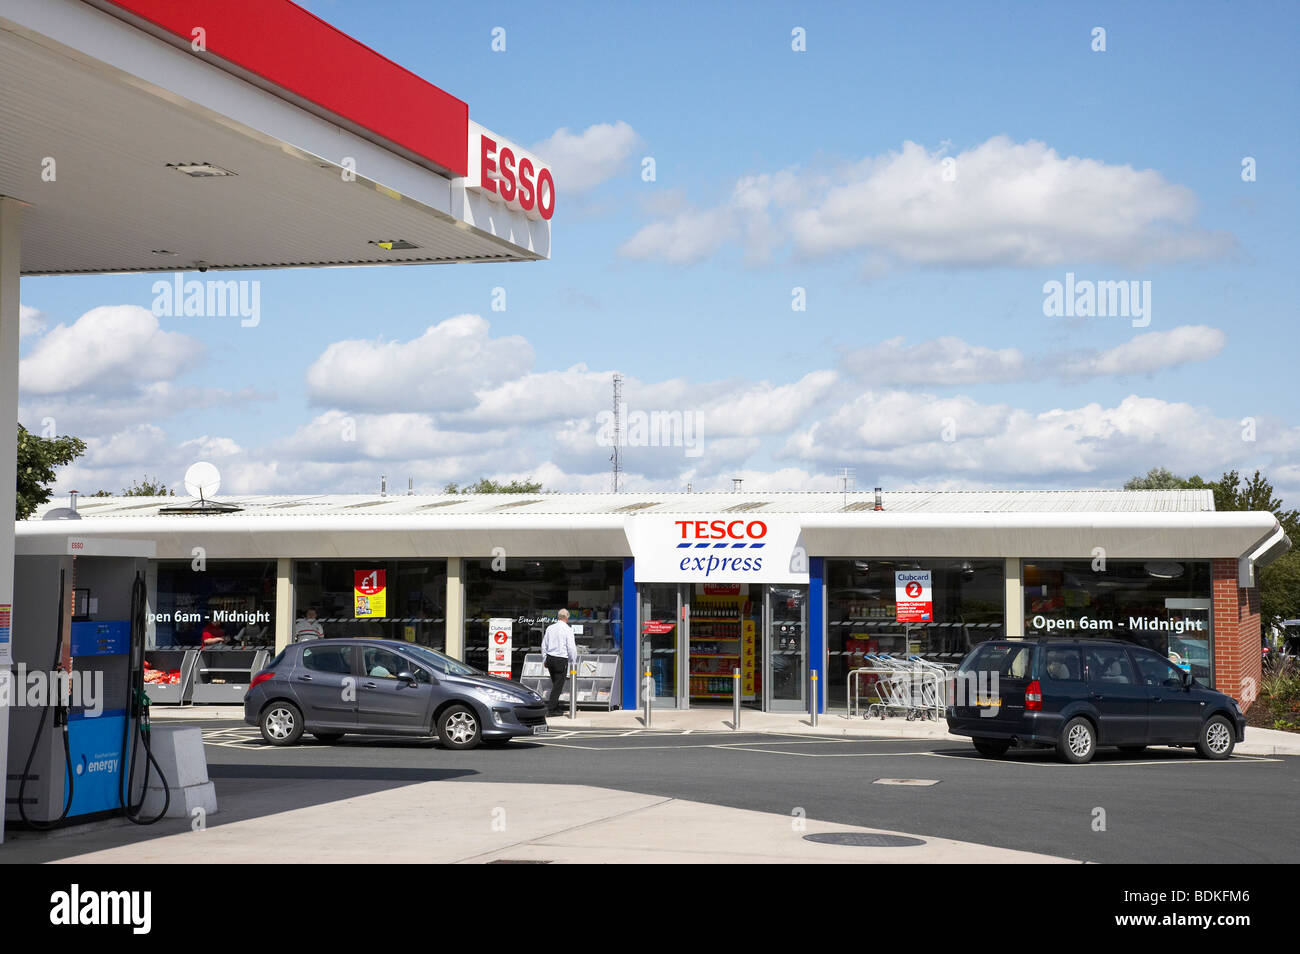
330,687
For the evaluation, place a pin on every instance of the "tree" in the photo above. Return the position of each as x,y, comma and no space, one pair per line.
1279,582
37,459
1157,478
147,488
488,486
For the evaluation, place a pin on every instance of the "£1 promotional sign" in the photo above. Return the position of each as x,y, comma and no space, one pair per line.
500,646
369,594
913,597
717,548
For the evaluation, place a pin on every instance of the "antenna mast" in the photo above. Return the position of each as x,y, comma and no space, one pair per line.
618,428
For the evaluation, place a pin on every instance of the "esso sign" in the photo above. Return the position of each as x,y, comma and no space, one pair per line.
506,173
749,531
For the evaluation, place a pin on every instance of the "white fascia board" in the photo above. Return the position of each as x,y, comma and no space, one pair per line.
1125,535
1006,535
473,535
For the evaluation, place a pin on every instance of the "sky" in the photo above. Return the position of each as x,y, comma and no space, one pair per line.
819,236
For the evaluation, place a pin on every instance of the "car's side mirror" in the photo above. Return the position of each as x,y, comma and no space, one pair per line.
407,678
1187,680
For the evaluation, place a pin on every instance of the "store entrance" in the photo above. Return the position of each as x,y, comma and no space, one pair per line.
694,636
724,634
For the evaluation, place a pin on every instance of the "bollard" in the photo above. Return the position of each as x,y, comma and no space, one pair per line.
573,691
648,689
735,699
815,706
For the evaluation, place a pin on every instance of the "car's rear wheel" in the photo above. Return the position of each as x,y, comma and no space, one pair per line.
1217,739
1132,749
992,748
458,728
328,738
1078,741
281,723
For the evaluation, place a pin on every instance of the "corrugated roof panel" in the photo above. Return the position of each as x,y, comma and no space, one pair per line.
906,501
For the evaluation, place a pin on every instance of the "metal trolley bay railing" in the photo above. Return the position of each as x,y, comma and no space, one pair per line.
899,685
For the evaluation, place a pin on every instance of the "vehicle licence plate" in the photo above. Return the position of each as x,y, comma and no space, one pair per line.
541,729
989,703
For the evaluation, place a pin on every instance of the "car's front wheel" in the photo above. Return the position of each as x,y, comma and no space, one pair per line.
1078,741
458,728
991,748
281,723
1217,739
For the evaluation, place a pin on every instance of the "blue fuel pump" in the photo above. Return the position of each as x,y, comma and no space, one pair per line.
100,719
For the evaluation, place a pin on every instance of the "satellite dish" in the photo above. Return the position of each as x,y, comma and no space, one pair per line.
202,480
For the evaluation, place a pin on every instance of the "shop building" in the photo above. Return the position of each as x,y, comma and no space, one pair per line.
690,588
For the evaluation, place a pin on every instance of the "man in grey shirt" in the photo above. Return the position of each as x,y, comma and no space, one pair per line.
558,652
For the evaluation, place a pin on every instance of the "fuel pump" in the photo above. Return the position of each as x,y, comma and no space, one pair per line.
86,739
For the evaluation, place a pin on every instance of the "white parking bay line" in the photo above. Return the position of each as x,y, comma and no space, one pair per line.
1052,763
816,755
906,781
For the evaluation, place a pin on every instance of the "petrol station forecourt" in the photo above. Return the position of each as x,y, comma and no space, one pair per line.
322,153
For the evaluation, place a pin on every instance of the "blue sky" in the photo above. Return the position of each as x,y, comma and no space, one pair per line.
778,169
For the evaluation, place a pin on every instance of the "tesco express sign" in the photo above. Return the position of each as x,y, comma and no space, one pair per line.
509,174
717,549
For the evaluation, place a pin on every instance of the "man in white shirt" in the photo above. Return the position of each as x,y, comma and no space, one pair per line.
558,652
308,628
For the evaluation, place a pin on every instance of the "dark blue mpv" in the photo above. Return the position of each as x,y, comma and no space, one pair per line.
1074,695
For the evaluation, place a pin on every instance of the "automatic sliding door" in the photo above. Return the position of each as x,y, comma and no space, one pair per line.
786,647
661,615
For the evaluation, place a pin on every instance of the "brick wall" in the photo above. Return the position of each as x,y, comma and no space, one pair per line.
1237,668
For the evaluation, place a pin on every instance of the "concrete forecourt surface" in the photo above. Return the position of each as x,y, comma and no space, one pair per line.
606,790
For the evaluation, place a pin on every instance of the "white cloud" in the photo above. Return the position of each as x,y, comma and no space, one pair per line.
584,160
903,434
1152,351
440,370
951,361
936,361
690,236
110,350
30,322
1009,205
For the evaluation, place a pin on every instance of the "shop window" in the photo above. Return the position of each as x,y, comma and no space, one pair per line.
531,593
233,600
966,607
1164,605
387,599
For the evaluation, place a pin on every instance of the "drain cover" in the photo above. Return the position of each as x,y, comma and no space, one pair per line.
863,839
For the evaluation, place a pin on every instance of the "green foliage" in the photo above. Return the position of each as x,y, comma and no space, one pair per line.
1157,478
1279,582
488,486
145,488
37,459
1280,694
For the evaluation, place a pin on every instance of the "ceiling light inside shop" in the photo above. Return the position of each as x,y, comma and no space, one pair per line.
200,170
1163,569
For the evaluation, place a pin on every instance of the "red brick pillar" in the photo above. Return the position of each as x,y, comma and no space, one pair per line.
1237,668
